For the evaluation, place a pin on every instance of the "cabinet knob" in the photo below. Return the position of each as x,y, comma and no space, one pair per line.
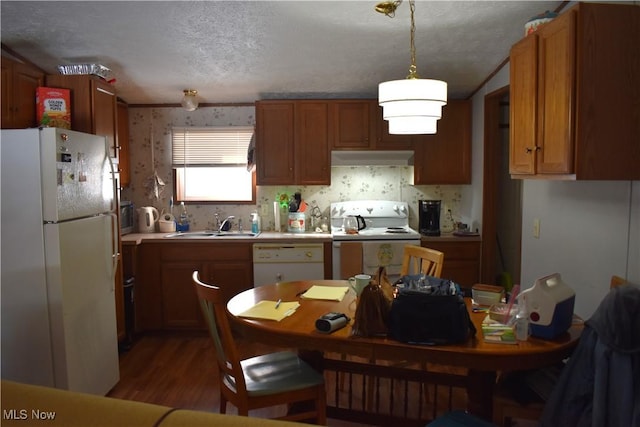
529,150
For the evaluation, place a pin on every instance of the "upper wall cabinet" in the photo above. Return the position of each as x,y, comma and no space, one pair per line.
353,126
358,125
93,107
19,84
445,157
574,93
292,143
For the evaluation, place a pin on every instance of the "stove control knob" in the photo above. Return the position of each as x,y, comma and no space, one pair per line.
396,208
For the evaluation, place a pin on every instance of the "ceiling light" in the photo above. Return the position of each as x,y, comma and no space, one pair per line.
189,101
412,105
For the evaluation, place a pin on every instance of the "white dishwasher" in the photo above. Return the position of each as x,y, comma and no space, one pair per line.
277,262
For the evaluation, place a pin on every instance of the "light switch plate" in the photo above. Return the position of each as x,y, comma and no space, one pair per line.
536,228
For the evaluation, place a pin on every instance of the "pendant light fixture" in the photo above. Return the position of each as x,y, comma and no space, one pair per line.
189,101
412,105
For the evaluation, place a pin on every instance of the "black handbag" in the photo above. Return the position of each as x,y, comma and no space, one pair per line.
429,310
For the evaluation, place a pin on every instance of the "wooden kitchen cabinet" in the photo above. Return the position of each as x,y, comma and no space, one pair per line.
461,258
386,141
352,124
19,84
357,124
445,157
574,114
292,143
166,294
93,107
123,143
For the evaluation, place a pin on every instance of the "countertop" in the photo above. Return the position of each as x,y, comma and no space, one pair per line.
263,237
273,237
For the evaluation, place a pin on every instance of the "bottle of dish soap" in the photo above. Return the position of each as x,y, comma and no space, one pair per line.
255,223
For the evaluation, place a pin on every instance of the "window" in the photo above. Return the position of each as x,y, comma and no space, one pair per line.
210,164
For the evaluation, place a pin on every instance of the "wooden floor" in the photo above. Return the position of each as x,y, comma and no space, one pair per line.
180,371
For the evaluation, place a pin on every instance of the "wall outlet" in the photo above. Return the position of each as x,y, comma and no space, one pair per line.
264,210
536,228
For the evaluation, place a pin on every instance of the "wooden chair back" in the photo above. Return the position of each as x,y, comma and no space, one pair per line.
616,281
418,259
214,311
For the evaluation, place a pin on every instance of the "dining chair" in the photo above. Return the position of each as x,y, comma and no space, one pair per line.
506,408
616,281
418,259
262,381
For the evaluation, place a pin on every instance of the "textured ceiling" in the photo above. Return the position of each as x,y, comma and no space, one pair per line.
240,51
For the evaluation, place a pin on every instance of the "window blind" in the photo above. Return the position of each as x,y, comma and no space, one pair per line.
210,146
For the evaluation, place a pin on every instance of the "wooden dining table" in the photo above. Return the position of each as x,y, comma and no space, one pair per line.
482,361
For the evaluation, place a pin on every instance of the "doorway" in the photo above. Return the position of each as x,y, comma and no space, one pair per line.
502,197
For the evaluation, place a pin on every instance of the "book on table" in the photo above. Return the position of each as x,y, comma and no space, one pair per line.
496,332
271,310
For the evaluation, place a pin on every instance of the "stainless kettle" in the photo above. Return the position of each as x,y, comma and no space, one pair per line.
352,224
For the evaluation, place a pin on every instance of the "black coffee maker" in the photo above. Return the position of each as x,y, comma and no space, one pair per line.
429,217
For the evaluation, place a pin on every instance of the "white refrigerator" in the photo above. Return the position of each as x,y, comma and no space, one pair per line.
58,260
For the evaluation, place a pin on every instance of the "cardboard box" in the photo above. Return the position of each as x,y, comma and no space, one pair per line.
53,107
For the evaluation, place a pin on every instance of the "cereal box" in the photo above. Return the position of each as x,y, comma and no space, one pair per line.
54,107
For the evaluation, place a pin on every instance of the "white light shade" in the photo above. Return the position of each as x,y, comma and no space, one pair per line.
412,106
412,89
413,125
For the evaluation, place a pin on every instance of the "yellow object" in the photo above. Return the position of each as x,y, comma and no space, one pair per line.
330,293
271,310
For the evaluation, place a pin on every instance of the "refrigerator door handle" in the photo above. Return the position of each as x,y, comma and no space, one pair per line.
114,199
115,253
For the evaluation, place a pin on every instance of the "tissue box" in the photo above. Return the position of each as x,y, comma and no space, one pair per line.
53,107
486,294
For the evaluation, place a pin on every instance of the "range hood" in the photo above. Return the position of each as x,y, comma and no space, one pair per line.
372,158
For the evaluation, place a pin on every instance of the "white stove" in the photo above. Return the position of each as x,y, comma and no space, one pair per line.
385,220
380,242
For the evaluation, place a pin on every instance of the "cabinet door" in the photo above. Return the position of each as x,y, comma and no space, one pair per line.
461,260
445,157
19,84
556,74
180,306
385,140
105,115
352,126
232,277
523,106
274,143
123,143
313,162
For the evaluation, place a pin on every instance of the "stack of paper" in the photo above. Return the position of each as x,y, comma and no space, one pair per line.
331,293
271,310
496,332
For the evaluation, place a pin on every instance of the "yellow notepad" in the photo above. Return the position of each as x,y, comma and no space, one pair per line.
331,293
267,310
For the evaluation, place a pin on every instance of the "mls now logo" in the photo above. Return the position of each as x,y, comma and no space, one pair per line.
23,414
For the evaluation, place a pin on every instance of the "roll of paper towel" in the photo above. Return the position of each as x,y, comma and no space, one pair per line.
276,215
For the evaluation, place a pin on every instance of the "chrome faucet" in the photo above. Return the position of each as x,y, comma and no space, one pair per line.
226,224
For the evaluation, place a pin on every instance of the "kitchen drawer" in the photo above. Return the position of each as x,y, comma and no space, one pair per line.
207,251
455,250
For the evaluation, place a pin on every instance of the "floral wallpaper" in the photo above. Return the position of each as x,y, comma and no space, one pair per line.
150,168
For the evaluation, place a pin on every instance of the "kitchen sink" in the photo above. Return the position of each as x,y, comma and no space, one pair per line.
210,234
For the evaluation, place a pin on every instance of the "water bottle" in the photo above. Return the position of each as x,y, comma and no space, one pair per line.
522,323
183,224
